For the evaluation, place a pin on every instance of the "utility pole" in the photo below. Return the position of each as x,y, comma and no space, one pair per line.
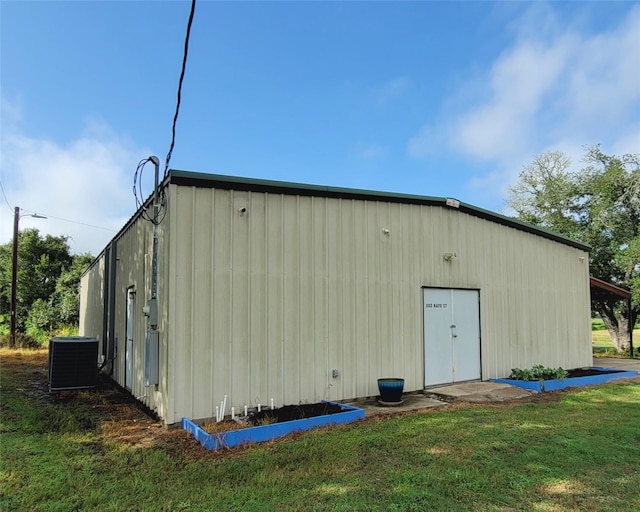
14,271
14,276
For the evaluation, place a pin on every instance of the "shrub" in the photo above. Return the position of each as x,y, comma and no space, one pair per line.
41,336
22,341
65,330
538,372
5,325
37,338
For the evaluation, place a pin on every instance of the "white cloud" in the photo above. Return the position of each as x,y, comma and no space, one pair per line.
602,83
521,80
554,88
87,181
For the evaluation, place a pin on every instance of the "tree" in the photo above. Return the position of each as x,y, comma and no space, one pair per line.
65,299
600,205
47,281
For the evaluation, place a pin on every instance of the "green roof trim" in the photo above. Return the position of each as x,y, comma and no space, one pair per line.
197,179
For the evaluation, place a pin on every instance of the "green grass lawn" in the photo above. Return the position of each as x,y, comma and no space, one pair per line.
564,451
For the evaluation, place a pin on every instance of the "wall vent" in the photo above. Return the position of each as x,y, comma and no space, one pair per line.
73,363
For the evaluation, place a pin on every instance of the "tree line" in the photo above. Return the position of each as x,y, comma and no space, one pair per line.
47,291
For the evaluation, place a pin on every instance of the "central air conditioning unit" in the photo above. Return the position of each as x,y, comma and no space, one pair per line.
73,363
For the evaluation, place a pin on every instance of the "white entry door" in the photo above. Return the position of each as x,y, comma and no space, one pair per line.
128,348
451,335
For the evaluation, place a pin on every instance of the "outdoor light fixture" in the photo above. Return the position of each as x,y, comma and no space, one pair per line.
14,269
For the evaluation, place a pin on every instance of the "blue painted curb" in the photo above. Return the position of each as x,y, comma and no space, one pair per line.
267,432
553,385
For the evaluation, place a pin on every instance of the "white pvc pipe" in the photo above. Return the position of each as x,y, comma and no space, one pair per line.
233,413
245,410
259,407
272,404
217,413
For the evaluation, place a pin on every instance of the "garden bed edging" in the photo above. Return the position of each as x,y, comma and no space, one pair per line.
555,384
263,433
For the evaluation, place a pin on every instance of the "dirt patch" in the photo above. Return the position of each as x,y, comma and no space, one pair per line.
216,427
115,414
293,412
269,416
107,409
588,372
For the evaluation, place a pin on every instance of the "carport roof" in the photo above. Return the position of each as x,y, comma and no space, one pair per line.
601,290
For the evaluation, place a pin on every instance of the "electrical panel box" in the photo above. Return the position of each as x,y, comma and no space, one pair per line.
151,358
153,313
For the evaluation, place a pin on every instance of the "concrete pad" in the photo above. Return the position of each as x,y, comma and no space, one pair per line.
410,402
618,363
477,391
480,392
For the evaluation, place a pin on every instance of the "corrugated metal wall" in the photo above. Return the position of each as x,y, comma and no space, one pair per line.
135,248
132,271
92,295
266,302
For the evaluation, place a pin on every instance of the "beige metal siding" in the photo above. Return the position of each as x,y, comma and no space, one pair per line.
133,270
92,301
265,303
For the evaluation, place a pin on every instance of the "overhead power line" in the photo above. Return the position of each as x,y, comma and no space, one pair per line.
49,216
184,65
5,197
72,221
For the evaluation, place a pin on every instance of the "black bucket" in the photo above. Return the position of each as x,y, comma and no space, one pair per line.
390,389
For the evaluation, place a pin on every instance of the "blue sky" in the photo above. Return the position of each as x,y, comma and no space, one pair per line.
434,98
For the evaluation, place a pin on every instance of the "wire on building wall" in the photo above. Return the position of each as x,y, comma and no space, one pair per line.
139,195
